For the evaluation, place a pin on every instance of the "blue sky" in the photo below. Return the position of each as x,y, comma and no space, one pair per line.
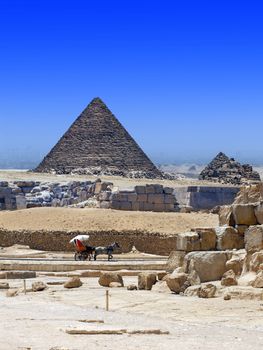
184,77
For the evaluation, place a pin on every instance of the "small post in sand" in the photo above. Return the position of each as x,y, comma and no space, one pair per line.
24,286
107,300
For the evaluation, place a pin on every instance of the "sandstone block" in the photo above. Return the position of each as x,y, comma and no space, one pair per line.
107,277
176,282
73,282
210,266
207,291
146,280
188,241
229,279
228,238
244,214
254,238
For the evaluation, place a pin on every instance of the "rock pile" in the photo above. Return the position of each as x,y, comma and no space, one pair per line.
228,171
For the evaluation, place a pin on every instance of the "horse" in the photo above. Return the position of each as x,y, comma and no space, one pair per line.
106,250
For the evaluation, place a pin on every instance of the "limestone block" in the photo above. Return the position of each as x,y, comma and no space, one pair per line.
132,197
115,204
158,207
176,282
241,229
168,190
17,274
135,206
142,198
149,189
107,277
158,188
207,290
210,266
105,204
259,213
147,206
207,237
229,279
254,238
169,207
73,282
226,216
125,206
155,198
235,264
228,238
38,286
104,196
256,261
192,291
146,280
169,199
175,260
140,189
188,241
258,281
244,214
20,202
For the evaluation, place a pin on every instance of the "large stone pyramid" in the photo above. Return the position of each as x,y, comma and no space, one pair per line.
97,143
226,170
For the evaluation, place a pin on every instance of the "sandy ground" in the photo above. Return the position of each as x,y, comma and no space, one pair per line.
38,320
103,219
14,175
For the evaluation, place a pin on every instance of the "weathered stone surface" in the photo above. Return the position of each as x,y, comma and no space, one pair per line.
241,229
193,278
226,170
115,285
161,287
108,146
175,259
17,274
256,262
254,238
161,275
38,286
192,291
210,266
107,277
207,290
4,285
229,279
226,216
244,214
250,194
245,293
176,282
259,213
146,280
12,293
155,198
228,238
188,241
168,190
258,281
73,282
207,238
235,264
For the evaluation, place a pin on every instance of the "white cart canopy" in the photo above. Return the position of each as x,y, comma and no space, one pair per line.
82,238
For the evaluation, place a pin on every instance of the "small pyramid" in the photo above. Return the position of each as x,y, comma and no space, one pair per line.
97,143
228,171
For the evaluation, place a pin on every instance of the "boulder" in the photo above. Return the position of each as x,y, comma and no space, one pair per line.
38,286
193,278
4,285
146,280
176,282
107,277
207,238
258,281
227,296
228,238
226,216
73,282
207,290
132,287
161,275
256,262
12,293
244,214
188,241
210,266
254,239
192,291
245,293
115,285
175,259
229,279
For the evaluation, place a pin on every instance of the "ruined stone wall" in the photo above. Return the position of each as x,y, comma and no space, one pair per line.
151,243
140,198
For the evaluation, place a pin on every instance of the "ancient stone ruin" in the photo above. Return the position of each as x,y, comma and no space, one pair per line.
228,171
97,143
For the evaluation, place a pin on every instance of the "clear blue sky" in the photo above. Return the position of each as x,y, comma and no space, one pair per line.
184,77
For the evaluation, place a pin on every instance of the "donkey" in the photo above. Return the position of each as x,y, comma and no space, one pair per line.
106,250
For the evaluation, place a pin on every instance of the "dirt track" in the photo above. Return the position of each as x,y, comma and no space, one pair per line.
103,219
